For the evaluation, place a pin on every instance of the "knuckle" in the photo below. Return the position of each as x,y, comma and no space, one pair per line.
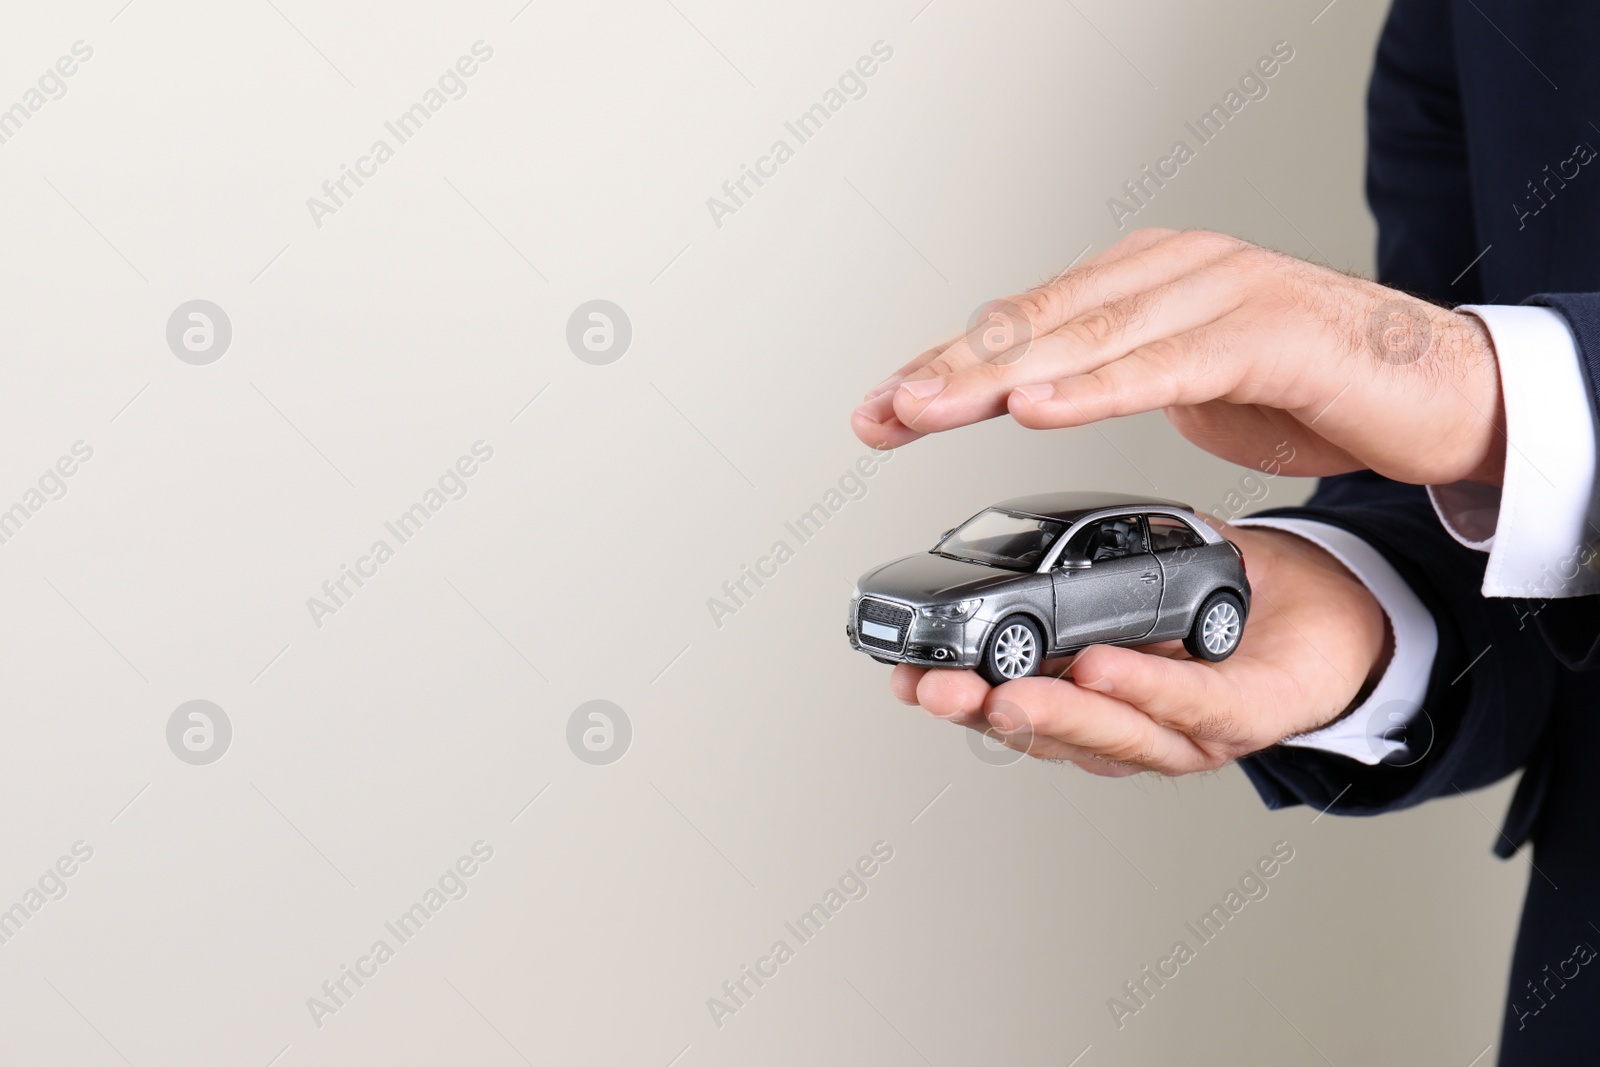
1169,366
1131,750
1092,391
1130,310
1146,760
1213,727
1210,244
1143,237
1172,715
1094,329
1046,306
1042,304
1221,739
1097,765
1152,235
1053,301
993,373
1252,262
1219,756
1165,350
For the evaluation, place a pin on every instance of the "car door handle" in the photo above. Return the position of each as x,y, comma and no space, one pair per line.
1148,577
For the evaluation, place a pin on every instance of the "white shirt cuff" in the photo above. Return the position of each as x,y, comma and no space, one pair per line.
1374,732
1539,527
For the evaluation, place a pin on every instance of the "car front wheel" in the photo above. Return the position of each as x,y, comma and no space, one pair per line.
1218,625
1015,650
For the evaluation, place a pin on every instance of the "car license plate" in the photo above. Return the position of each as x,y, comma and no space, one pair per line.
880,631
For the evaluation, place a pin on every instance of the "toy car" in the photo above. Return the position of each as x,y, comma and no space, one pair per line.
1042,576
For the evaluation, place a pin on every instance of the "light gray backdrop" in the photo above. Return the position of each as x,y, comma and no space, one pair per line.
374,338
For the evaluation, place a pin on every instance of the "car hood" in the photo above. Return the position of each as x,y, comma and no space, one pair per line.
926,579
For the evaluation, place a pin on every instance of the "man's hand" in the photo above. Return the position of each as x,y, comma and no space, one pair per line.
1244,348
1314,637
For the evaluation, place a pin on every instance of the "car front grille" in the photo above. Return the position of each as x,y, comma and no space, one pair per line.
886,614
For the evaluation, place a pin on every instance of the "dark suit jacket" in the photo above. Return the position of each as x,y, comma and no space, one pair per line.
1484,176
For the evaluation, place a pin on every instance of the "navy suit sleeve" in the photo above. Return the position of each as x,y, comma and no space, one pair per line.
1499,661
1490,692
1418,175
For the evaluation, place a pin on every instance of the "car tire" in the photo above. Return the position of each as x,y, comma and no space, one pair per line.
1218,625
1015,649
886,662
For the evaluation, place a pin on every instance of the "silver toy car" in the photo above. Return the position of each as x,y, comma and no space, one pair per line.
1042,576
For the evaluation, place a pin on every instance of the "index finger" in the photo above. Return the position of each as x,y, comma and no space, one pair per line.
1094,722
1034,313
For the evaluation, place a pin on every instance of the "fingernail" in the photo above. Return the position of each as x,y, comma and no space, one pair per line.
922,388
876,409
1001,721
882,387
1035,393
1099,685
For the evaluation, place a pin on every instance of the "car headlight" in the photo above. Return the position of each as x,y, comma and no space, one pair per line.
953,612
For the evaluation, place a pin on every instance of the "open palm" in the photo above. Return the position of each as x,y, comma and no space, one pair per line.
1314,637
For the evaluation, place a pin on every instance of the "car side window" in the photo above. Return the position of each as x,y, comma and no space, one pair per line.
1167,534
1107,539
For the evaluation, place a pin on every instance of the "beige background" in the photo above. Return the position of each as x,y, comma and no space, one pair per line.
368,354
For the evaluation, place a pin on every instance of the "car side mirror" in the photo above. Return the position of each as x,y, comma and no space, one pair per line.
1073,561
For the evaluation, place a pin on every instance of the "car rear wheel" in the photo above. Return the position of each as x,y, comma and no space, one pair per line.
1218,625
1015,650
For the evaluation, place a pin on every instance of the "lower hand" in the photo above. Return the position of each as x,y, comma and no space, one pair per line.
1243,348
1313,639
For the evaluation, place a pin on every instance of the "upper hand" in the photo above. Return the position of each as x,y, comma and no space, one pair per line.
1243,347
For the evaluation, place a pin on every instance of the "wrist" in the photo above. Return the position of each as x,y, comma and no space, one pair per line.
1375,673
1380,664
1471,349
1370,642
1333,611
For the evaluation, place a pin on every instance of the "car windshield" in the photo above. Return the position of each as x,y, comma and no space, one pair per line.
1001,539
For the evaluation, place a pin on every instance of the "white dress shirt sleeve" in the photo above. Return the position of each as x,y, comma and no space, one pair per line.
1542,526
1375,732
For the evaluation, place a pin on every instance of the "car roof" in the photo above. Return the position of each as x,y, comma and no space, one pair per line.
1071,506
